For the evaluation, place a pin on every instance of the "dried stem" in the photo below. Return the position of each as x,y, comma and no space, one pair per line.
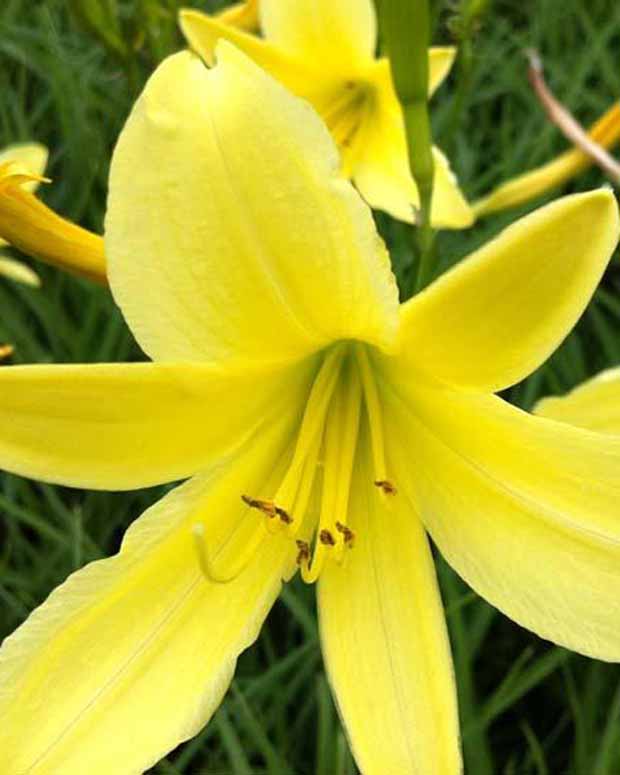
566,122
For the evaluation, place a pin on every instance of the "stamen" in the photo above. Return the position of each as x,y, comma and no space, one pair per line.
243,558
325,542
350,431
375,421
311,425
303,554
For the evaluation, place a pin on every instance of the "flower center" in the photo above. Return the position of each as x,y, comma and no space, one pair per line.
311,504
344,115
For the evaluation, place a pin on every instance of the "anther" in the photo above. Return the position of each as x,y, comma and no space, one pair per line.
285,517
348,536
267,507
326,537
387,486
303,554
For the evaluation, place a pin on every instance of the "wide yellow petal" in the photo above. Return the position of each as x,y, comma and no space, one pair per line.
340,34
381,170
16,270
595,404
502,311
385,643
230,234
527,510
132,655
123,426
516,191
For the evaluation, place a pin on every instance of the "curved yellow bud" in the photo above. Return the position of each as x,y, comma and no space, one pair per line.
35,229
605,132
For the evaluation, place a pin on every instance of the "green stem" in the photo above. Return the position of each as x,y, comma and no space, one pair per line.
406,27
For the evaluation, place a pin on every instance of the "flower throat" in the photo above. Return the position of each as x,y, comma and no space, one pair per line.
322,461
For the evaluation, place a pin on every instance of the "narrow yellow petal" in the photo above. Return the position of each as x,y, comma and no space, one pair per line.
605,132
440,61
203,32
595,404
242,15
502,311
340,34
31,156
527,510
385,643
35,229
132,655
16,270
123,426
381,170
230,234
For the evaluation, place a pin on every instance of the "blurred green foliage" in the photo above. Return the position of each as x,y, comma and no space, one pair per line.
69,72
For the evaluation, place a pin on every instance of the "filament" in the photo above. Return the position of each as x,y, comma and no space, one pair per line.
242,560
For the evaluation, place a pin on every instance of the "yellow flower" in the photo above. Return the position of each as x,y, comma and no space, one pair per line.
594,404
35,229
320,425
324,51
516,191
31,159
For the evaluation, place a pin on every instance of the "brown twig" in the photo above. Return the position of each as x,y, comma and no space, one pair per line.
566,122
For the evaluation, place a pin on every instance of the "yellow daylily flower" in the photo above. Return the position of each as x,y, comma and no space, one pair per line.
322,427
33,158
243,15
605,132
35,229
595,404
324,51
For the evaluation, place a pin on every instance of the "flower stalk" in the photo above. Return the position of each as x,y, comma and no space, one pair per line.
406,26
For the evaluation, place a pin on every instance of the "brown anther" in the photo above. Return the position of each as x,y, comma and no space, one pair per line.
267,507
387,487
284,515
348,536
303,554
325,537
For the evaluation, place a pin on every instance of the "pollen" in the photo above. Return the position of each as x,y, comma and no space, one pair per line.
386,486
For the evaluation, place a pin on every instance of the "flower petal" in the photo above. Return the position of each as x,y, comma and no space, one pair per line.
496,316
19,272
32,156
595,404
340,34
230,235
381,172
243,15
527,510
123,426
132,655
385,643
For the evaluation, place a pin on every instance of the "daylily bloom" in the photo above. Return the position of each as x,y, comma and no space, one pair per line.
324,51
322,427
595,404
35,229
605,132
30,158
